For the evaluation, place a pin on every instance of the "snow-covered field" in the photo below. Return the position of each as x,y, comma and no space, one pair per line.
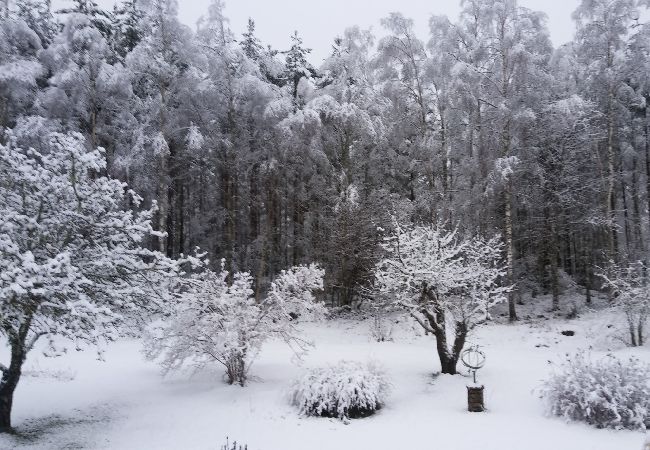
78,402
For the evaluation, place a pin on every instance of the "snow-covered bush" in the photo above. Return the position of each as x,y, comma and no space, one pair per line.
233,446
629,287
607,393
216,318
345,390
380,329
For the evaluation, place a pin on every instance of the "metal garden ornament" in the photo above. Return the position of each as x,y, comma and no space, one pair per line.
474,359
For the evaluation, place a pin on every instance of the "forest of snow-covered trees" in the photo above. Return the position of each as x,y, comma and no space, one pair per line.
254,155
147,168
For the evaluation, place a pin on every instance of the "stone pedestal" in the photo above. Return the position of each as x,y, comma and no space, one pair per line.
475,401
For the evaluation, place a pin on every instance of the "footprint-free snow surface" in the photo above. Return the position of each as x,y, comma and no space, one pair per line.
77,402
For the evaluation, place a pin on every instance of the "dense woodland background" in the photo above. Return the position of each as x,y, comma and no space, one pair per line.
255,156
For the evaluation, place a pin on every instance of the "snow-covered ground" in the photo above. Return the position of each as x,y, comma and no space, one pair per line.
78,402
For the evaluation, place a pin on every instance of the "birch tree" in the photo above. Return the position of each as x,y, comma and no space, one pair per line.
603,27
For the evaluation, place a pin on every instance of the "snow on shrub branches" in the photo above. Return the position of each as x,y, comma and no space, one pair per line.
216,318
608,393
346,390
629,287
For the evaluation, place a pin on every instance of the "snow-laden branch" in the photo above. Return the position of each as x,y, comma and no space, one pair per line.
630,289
213,319
72,258
446,283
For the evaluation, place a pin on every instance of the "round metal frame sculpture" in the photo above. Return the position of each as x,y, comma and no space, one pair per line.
473,358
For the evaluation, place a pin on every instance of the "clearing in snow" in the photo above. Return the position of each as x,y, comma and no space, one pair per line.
124,403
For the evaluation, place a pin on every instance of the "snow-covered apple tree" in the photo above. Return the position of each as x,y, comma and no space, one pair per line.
73,269
446,283
216,319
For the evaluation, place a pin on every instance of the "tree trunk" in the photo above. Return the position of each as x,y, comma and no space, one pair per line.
635,192
449,358
640,336
626,214
163,184
447,363
588,263
555,288
633,333
646,136
444,156
512,311
611,180
9,381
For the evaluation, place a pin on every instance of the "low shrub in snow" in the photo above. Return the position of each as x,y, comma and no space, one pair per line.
608,393
233,446
345,390
380,328
630,291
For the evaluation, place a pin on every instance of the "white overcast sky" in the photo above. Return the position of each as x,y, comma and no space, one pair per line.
319,21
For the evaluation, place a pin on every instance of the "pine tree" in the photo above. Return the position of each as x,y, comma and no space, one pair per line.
296,64
102,20
38,16
128,33
265,58
250,43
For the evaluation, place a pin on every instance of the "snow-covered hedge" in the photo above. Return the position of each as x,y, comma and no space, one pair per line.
607,393
345,390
